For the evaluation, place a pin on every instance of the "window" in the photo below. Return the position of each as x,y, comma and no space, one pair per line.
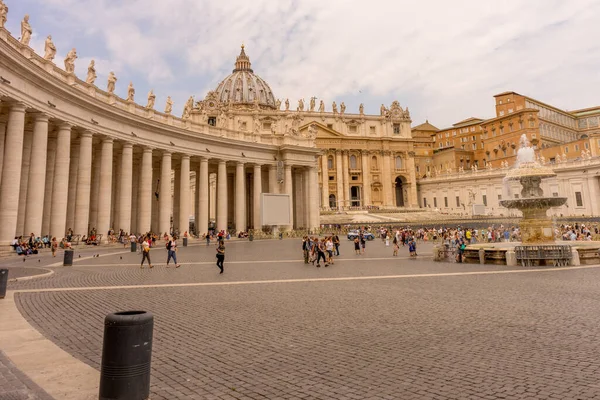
330,126
576,147
354,177
510,110
372,130
267,126
435,201
578,199
554,194
374,163
474,146
353,162
531,124
472,129
499,197
567,149
398,163
501,113
330,162
501,130
352,129
457,201
484,197
446,202
212,121
244,126
520,124
418,169
587,145
396,129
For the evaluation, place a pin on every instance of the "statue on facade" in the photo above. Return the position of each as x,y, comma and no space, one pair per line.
342,108
334,108
91,74
278,104
361,109
274,128
382,110
287,105
461,170
3,14
70,61
300,105
112,80
312,131
312,103
221,119
187,107
169,106
151,99
321,106
26,31
588,153
257,125
130,92
49,49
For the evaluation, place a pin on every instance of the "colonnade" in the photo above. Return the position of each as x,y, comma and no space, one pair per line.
56,176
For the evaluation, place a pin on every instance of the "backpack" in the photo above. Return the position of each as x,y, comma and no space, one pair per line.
168,245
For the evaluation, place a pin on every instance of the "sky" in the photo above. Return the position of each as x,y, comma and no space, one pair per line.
444,60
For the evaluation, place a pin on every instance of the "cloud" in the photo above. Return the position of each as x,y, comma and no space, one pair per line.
444,60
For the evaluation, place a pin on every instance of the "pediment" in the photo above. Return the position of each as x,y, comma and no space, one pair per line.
322,130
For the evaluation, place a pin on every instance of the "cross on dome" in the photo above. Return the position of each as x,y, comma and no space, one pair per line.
242,63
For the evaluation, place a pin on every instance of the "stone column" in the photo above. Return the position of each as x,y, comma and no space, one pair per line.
27,143
135,190
339,169
37,176
184,195
196,199
203,197
346,174
49,184
289,189
176,197
95,189
84,184
273,185
240,197
155,203
313,198
366,178
2,138
145,195
387,179
325,182
60,187
414,201
300,203
222,196
256,200
165,206
116,191
73,177
11,173
105,188
126,190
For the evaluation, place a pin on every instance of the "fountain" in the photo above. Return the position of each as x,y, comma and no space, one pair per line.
535,226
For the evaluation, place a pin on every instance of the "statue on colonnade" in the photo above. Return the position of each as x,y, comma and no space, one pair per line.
49,49
130,92
70,61
321,106
301,105
312,104
26,31
169,106
151,100
187,108
342,108
287,104
3,14
361,109
91,75
278,104
334,108
112,80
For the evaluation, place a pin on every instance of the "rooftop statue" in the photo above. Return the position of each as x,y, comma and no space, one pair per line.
70,61
301,105
151,99
334,108
342,108
91,75
187,108
112,80
49,49
130,92
321,106
312,104
169,105
26,31
361,109
382,110
278,104
3,14
287,104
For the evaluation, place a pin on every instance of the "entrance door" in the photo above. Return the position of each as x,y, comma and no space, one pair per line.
332,202
355,196
399,193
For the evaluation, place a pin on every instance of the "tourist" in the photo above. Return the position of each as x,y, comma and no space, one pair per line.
412,247
336,243
363,242
305,248
320,247
146,252
329,249
357,245
172,251
220,254
396,247
54,246
208,238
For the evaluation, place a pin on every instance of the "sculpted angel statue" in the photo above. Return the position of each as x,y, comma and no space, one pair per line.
312,104
321,106
382,110
91,75
287,104
49,49
130,92
334,107
278,104
70,61
26,31
3,14
151,99
169,105
187,108
361,109
112,80
301,105
342,108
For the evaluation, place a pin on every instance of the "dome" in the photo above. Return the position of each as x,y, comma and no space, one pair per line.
244,87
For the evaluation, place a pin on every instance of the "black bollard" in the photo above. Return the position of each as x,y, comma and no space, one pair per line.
3,282
185,241
68,258
126,356
133,247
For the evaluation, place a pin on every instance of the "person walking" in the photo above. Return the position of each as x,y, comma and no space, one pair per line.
54,246
336,243
172,251
396,247
208,238
321,253
363,242
146,252
305,248
357,245
329,248
220,254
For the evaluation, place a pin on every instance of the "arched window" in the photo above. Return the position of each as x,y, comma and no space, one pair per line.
398,162
330,162
353,162
374,163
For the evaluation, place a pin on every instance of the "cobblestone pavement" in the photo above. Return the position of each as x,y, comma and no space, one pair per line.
496,336
14,385
25,272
